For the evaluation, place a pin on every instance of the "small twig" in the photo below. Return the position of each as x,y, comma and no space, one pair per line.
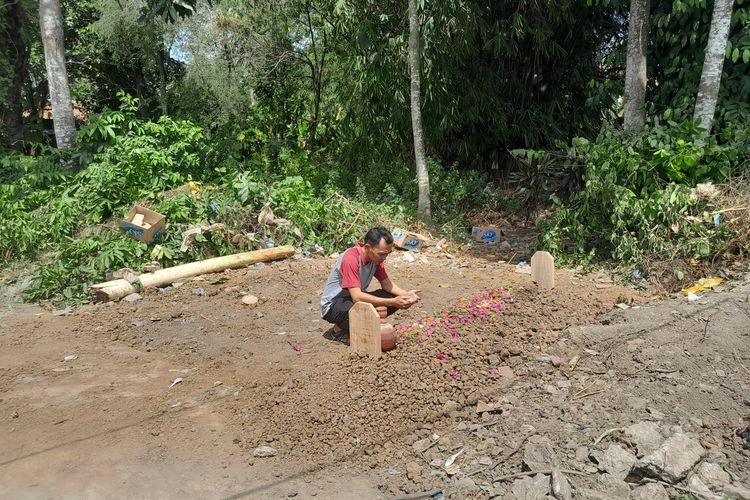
207,319
433,443
535,472
680,488
607,433
663,370
513,451
585,388
593,393
705,330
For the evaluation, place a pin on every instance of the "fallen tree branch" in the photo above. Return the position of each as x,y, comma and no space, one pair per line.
117,289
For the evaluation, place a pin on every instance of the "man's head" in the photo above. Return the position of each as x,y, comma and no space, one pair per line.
378,244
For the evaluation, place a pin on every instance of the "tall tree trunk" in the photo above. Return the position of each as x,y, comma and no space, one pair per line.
708,89
17,54
312,130
635,70
51,24
163,81
423,176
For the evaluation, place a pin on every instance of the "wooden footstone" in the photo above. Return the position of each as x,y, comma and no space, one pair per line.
364,329
543,269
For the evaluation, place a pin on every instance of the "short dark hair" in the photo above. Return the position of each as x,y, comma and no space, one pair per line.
376,234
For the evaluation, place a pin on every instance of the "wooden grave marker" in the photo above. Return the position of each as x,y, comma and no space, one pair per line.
364,329
543,269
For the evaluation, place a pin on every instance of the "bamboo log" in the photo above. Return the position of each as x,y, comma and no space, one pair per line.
117,289
111,290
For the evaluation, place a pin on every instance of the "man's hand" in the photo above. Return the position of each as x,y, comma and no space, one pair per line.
404,301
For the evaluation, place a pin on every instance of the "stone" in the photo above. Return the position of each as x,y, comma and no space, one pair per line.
560,485
498,490
737,491
613,486
650,491
539,454
645,436
712,475
133,297
616,460
413,470
530,487
695,484
420,445
466,484
551,390
485,460
264,452
674,458
655,414
450,406
249,300
582,454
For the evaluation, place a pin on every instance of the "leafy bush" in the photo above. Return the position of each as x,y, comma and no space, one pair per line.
637,201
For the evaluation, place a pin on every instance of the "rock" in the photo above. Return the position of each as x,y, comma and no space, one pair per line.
695,484
582,454
645,436
655,414
560,485
674,458
420,445
613,486
466,484
538,453
249,300
264,452
737,491
132,297
413,470
551,390
712,475
498,491
616,460
530,487
450,406
487,461
650,491
505,246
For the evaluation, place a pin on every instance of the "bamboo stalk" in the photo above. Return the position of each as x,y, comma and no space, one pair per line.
117,289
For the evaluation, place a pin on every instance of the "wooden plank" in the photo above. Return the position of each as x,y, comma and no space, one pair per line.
543,269
364,329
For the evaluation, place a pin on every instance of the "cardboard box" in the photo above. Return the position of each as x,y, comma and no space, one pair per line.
143,224
486,234
405,240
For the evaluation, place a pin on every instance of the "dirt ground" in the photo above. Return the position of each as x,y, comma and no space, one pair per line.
565,365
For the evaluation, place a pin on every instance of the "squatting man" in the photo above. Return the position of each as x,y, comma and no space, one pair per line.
351,276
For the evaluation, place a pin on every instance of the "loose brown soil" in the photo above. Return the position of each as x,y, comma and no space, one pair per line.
107,424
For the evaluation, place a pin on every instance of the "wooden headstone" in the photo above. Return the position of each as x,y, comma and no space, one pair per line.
543,269
364,329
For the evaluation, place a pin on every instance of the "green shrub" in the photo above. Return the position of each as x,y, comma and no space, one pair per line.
637,200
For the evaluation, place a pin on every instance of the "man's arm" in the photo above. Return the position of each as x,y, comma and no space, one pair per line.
400,301
390,286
